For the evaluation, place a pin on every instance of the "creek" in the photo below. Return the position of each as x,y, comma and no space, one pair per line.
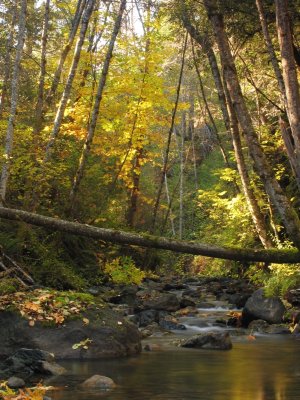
266,368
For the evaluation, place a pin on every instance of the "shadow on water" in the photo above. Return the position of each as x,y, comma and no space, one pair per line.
265,369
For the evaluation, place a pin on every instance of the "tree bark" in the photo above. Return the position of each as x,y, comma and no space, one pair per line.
67,91
289,72
7,59
121,237
288,215
286,132
253,207
75,24
14,102
96,108
41,89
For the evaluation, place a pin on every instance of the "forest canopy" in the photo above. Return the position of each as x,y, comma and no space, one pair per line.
176,118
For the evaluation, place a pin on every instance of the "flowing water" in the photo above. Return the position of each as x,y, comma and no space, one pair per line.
267,368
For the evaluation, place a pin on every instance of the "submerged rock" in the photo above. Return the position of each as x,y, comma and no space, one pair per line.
106,334
25,363
209,340
270,309
99,382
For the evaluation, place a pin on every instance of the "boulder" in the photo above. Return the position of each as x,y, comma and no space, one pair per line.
106,334
25,363
127,295
15,383
155,300
270,309
209,340
262,326
99,382
187,302
171,324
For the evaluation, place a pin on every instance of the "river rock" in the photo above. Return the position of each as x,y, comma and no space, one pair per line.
99,382
270,309
25,363
15,383
171,324
209,340
108,333
262,326
293,297
154,300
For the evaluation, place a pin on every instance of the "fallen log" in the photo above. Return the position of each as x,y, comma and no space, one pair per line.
121,237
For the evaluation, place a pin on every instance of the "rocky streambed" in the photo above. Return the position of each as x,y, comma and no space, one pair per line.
162,318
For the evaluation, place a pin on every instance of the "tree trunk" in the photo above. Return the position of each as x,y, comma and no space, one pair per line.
121,237
255,212
67,91
212,121
7,59
102,82
14,102
270,47
134,192
181,178
289,72
288,215
75,24
41,89
286,133
167,151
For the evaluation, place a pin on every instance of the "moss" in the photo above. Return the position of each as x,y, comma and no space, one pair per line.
8,286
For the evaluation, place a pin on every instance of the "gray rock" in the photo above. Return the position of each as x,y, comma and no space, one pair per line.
270,309
262,326
110,335
25,363
171,324
99,382
161,301
209,340
15,383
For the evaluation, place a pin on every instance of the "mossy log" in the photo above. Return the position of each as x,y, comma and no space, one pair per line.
156,242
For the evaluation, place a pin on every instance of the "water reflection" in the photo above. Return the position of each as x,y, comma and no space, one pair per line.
262,370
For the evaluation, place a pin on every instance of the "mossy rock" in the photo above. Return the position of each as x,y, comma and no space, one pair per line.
99,333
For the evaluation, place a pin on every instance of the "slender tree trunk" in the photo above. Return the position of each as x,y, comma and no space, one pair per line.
134,192
289,146
102,82
285,210
270,47
181,188
169,205
286,132
7,59
67,91
254,209
181,246
204,43
14,101
94,39
289,72
75,24
41,89
211,118
167,151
